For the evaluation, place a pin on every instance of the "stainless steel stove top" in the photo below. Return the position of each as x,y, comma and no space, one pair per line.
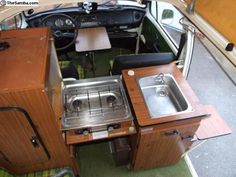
94,102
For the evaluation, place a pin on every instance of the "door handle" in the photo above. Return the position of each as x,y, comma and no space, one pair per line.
174,132
187,138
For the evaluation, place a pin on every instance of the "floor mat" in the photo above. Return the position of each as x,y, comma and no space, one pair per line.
44,173
96,161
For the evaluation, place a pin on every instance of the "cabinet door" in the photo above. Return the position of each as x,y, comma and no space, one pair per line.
162,147
19,146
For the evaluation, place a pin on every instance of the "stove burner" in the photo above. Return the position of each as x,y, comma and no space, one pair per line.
111,100
94,103
77,104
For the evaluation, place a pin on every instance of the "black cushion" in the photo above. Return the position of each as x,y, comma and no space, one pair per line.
70,72
140,60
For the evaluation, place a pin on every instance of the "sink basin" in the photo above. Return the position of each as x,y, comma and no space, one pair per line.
163,96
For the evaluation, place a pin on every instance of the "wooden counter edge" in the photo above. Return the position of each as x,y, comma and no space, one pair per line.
72,138
134,93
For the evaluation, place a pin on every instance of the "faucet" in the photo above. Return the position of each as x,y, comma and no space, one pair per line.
160,78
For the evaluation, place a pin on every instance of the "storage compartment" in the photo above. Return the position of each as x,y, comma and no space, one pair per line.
30,101
163,144
121,151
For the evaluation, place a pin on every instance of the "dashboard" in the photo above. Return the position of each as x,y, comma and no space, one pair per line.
58,22
129,18
111,19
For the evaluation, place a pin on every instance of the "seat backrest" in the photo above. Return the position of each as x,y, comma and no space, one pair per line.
140,60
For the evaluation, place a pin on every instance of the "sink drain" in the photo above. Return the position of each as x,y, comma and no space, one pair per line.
163,92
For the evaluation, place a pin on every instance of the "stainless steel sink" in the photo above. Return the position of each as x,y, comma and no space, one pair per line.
163,96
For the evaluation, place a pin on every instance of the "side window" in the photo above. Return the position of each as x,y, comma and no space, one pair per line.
11,23
168,17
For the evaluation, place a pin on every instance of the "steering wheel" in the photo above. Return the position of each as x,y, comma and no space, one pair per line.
63,28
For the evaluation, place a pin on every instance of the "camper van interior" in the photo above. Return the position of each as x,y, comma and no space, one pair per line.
77,74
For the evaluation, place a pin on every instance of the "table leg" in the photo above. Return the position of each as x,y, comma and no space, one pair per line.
91,57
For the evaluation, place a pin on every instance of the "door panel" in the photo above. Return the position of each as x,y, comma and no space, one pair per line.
156,149
154,41
160,148
17,135
220,14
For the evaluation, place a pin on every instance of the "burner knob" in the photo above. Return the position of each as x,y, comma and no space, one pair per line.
111,100
113,126
110,128
85,132
77,104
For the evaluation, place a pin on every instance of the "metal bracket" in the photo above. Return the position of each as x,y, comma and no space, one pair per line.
191,7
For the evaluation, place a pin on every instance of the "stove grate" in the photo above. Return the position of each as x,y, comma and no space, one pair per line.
94,102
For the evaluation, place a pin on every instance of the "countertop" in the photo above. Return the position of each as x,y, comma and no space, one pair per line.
138,103
23,64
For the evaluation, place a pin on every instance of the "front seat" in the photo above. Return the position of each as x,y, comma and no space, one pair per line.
140,60
70,72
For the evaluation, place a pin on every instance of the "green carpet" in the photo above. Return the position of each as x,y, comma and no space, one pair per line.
45,173
96,161
4,173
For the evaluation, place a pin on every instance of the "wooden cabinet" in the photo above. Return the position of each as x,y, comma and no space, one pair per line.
162,145
163,140
30,86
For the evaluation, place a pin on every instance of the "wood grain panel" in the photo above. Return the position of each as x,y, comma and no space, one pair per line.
212,126
72,138
25,82
156,148
138,103
22,65
38,106
220,14
17,147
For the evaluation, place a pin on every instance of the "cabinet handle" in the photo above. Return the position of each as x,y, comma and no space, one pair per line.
187,138
174,132
34,141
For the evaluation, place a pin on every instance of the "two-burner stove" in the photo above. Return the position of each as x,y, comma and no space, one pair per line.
94,104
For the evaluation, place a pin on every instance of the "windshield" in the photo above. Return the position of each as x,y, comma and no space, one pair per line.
102,4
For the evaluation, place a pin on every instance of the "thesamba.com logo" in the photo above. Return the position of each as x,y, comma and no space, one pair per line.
19,3
3,2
